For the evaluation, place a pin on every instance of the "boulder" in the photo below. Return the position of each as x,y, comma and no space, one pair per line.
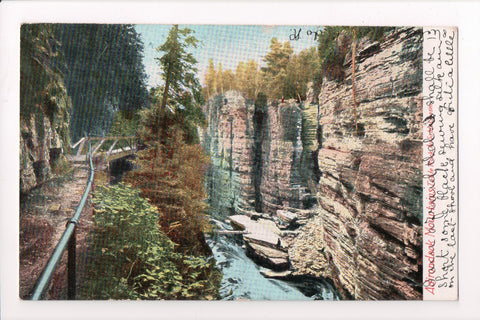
268,257
287,216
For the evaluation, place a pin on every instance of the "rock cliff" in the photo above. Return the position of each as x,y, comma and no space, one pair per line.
40,147
353,195
259,161
44,105
367,232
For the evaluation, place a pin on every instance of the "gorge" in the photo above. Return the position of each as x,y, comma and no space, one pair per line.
313,174
343,197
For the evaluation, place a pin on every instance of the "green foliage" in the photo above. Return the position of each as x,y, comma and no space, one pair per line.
334,42
176,61
124,126
133,259
275,72
250,79
181,96
104,73
171,176
332,52
286,75
301,70
210,81
42,90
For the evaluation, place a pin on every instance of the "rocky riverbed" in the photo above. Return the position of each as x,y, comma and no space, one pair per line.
244,279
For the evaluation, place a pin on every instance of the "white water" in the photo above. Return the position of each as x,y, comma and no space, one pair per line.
242,278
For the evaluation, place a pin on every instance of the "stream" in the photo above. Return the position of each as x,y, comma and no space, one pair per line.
242,279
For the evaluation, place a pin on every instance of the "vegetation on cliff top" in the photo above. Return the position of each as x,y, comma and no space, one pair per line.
285,75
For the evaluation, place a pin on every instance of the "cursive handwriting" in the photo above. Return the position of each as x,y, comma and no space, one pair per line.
440,225
296,34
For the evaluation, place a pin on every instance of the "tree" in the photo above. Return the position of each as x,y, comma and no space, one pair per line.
210,80
301,70
104,73
275,71
228,78
219,79
332,50
240,76
252,80
333,46
181,89
170,172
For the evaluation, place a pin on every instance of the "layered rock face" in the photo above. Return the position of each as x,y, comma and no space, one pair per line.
257,156
362,227
42,143
229,141
368,227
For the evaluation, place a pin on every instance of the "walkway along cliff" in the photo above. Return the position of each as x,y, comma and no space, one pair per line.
345,205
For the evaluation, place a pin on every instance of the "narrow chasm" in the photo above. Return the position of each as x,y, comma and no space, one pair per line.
259,124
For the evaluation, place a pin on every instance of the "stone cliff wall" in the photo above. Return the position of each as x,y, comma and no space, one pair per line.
44,105
43,141
257,156
367,232
229,141
362,227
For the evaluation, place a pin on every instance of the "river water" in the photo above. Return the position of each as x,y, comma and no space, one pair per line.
242,278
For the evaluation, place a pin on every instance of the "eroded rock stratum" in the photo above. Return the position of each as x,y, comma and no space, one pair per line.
347,198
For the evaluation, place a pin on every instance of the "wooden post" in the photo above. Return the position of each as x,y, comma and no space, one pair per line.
80,148
98,146
77,143
111,148
71,267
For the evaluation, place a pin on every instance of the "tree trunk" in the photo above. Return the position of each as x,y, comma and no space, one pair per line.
165,95
164,104
354,45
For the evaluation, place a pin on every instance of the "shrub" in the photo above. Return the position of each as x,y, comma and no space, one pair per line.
171,176
132,259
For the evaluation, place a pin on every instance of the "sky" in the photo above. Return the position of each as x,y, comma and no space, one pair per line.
225,44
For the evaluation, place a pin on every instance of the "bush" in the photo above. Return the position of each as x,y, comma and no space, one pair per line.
171,176
132,259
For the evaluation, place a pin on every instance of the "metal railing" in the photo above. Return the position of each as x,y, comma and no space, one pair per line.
68,239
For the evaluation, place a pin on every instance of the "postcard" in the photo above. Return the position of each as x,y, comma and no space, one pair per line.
238,162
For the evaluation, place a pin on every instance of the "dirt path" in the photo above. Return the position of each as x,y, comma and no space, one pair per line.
43,217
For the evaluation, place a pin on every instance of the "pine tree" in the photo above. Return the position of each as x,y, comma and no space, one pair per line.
181,90
301,70
228,78
219,79
170,172
275,71
252,85
210,80
240,76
